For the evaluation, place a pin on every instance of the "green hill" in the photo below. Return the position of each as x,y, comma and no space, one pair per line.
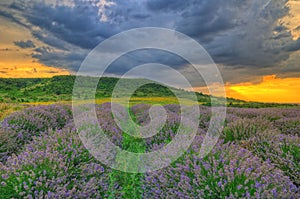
60,88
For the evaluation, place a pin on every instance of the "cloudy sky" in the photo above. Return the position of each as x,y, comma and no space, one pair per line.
255,43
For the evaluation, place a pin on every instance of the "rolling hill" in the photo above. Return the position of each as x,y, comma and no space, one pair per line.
60,88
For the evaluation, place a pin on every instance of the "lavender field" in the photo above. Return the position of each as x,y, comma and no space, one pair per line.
257,156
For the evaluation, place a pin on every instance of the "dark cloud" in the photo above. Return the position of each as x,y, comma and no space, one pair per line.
25,44
139,57
295,46
79,26
236,33
64,59
49,39
8,15
199,18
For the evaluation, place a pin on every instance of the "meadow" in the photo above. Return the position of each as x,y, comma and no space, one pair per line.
42,156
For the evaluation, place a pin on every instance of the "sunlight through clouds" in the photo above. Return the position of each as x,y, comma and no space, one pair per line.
271,89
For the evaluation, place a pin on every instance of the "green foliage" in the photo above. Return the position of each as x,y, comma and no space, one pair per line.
130,182
282,150
21,182
60,88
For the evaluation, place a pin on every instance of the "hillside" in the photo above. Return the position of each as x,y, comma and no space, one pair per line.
60,88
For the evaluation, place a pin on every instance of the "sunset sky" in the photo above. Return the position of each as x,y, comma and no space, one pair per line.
254,43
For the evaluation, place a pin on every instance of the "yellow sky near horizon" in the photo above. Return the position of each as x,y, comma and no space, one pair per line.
16,62
270,89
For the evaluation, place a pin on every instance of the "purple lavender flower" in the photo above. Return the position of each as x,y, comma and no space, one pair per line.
220,183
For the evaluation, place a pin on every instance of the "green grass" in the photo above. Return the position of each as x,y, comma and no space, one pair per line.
130,182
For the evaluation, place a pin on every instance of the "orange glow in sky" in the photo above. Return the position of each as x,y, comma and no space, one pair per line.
29,70
16,62
270,89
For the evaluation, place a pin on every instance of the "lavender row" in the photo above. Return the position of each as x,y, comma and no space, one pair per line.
257,156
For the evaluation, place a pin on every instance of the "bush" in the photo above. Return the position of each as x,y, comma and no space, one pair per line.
54,166
243,129
288,126
282,150
19,128
227,172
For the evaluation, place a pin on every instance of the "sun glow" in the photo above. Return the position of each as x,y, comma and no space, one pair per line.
270,89
29,70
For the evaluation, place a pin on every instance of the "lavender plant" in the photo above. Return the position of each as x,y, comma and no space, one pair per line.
282,150
243,129
54,166
227,172
288,125
259,157
19,128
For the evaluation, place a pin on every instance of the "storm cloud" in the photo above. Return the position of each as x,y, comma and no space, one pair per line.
236,33
25,44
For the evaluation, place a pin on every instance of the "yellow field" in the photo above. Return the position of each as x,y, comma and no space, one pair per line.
146,100
6,109
133,101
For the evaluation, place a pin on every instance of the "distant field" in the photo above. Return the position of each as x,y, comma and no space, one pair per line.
60,89
133,101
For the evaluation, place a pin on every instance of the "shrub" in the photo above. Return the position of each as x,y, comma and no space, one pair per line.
227,172
282,150
54,166
288,126
245,128
8,144
19,128
38,119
